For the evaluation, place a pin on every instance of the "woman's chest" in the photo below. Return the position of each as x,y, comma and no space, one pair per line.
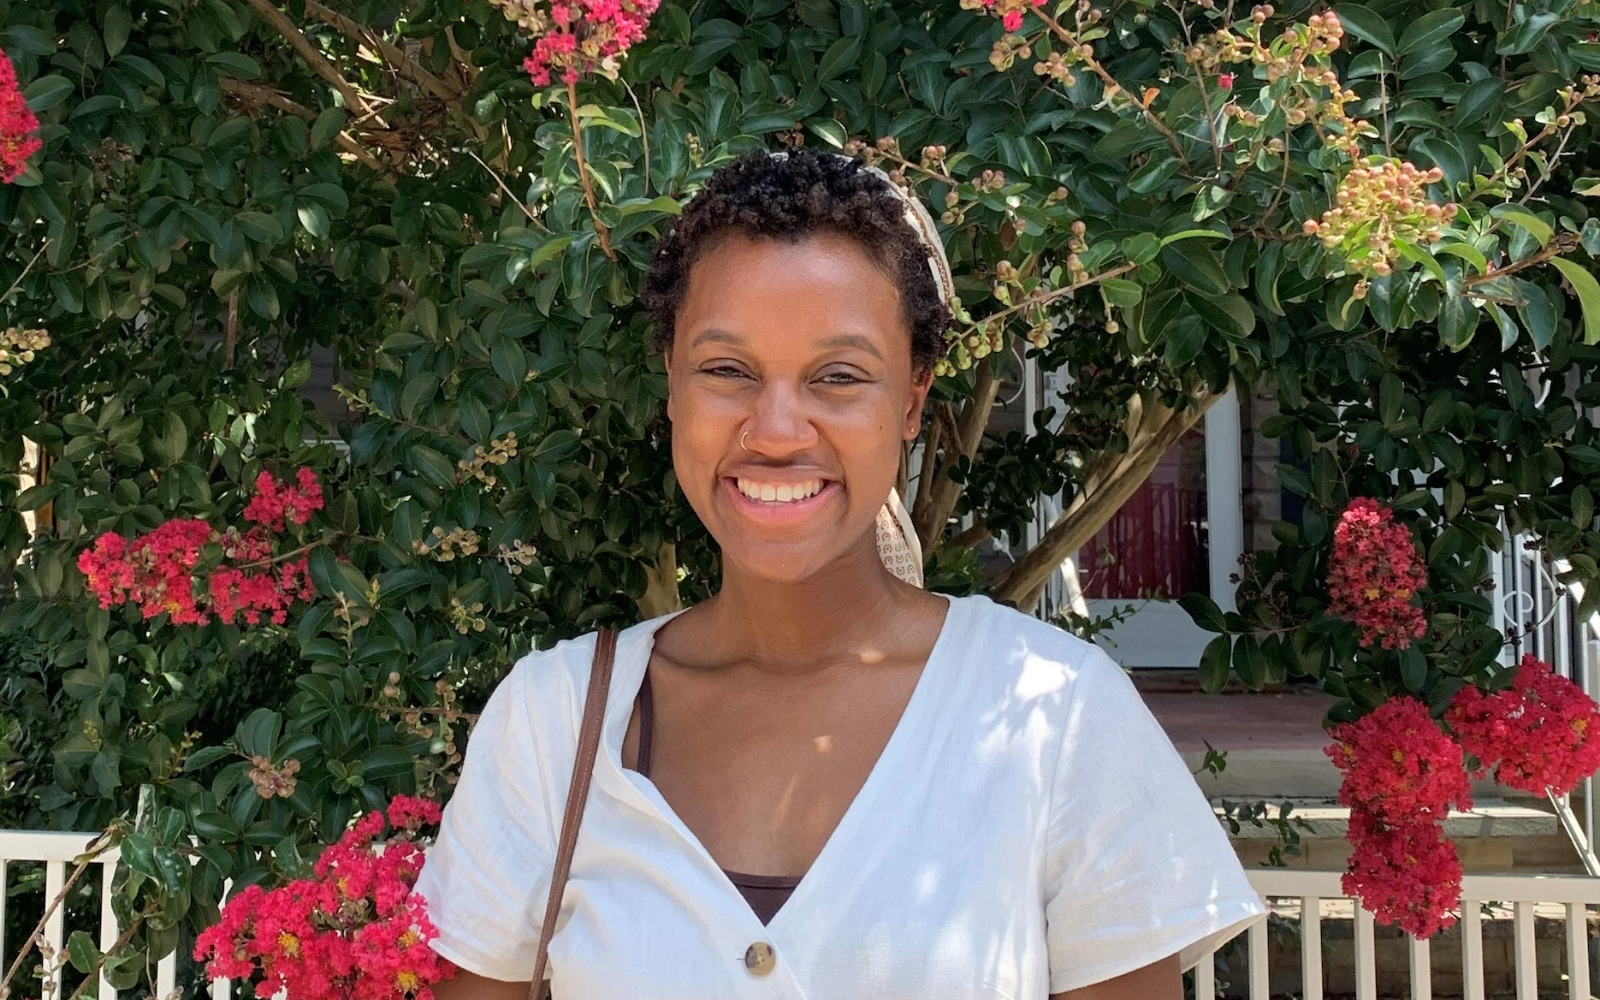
928,892
760,775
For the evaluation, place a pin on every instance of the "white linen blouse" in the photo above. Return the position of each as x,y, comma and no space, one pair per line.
1029,829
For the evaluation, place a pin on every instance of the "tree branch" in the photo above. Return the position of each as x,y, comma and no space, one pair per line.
929,466
968,434
975,535
583,172
1152,429
661,594
401,63
316,60
266,95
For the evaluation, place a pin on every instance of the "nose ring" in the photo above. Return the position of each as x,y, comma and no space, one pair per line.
741,440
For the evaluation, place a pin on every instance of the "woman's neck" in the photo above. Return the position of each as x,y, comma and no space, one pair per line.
852,610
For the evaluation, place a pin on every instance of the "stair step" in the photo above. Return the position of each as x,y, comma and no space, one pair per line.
1486,819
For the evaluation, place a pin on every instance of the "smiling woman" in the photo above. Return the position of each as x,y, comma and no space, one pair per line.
823,781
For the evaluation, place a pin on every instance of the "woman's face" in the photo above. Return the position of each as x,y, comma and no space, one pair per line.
801,349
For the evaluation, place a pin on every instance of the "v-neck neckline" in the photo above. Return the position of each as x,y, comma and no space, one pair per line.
619,710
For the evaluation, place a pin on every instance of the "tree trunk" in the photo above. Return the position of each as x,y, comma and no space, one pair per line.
661,591
1152,429
942,493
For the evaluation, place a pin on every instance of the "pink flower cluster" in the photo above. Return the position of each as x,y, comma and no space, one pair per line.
1539,734
1403,774
18,125
1408,875
578,36
165,571
1373,573
273,503
355,931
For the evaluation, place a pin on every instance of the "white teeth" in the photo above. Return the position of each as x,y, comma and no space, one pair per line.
784,493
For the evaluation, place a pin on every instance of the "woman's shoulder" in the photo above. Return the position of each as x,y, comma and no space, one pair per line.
1020,649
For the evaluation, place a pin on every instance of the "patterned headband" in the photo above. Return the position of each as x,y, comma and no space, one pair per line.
921,222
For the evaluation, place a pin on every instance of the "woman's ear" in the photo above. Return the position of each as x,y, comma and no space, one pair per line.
921,383
666,357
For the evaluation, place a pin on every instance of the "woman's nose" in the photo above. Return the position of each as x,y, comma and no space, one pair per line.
780,421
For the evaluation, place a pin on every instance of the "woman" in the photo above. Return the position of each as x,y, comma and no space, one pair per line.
824,782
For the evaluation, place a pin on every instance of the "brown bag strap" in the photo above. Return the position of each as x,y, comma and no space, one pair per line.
594,712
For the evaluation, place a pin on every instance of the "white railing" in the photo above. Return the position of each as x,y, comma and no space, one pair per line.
1310,891
58,852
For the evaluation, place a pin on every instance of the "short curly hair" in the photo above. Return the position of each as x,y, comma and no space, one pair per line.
789,199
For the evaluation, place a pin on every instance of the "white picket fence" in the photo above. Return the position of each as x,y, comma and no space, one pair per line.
1520,893
1308,889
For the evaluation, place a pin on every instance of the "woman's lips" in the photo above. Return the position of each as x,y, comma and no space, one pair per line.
777,512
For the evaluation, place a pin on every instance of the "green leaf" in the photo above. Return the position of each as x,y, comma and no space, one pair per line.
1214,665
260,227
1537,313
1413,669
1195,266
83,954
1582,506
328,124
1204,611
1141,248
46,92
1588,291
1477,99
1366,25
1192,234
235,64
1153,174
1430,29
137,851
435,468
257,735
1248,662
841,55
205,757
1121,292
1519,216
114,29
385,762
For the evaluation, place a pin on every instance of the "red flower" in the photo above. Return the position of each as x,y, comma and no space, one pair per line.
1407,874
1398,765
168,571
1539,734
17,125
274,501
1373,573
355,931
1402,774
1225,81
579,36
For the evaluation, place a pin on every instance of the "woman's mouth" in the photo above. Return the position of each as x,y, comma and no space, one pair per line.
777,501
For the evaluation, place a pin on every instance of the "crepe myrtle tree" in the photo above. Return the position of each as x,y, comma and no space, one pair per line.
1378,210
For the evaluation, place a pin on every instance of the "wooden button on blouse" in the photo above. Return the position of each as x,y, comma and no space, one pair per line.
759,958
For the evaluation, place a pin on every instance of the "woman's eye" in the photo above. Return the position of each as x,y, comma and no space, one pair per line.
845,378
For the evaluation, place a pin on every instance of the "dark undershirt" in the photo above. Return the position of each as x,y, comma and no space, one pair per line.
764,893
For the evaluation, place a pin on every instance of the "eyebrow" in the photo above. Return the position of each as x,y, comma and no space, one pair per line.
856,340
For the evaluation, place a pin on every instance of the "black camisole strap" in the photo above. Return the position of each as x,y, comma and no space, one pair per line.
765,893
